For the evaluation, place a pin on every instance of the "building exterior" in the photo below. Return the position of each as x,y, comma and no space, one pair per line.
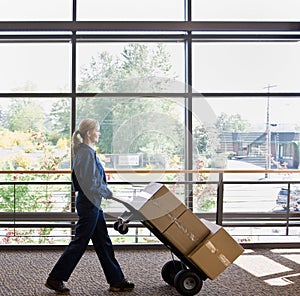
252,147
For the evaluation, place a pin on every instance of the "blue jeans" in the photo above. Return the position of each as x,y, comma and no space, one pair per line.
91,225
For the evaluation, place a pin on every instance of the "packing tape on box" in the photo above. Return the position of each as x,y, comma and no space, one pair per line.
184,229
212,248
224,260
172,218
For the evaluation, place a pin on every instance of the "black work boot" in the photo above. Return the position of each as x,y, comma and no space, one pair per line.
123,286
57,286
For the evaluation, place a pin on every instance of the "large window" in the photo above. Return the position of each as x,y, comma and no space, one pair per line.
201,95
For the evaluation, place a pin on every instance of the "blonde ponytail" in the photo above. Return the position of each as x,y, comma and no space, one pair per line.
76,141
78,136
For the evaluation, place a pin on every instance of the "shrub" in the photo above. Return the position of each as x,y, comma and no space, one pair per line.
63,143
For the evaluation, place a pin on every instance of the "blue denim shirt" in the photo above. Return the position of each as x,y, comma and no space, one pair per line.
88,175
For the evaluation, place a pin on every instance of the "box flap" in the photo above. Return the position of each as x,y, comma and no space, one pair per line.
143,196
211,226
152,188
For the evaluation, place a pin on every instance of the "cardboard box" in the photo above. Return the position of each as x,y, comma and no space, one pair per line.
159,205
186,232
216,252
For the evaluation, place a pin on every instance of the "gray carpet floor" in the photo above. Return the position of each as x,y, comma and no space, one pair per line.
255,273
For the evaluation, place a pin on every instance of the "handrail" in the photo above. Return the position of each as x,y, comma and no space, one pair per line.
34,172
287,219
147,171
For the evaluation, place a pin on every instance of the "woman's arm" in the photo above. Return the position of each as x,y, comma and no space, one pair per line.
88,176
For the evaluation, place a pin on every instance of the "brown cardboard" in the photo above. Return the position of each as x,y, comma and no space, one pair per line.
186,232
161,206
216,252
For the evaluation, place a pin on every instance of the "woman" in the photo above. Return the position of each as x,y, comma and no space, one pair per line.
88,178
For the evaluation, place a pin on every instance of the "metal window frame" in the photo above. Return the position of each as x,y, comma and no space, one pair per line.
187,31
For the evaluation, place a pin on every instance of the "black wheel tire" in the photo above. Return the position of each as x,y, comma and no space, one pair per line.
116,226
187,282
123,228
170,269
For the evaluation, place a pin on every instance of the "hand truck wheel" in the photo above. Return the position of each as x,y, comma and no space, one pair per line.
187,282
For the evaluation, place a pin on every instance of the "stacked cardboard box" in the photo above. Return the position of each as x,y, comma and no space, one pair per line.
216,252
162,207
186,232
206,244
172,218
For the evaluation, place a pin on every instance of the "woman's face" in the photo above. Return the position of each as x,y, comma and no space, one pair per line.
94,135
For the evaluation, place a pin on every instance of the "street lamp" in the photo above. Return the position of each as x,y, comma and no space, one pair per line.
268,132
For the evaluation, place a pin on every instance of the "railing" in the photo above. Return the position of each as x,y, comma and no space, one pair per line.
43,217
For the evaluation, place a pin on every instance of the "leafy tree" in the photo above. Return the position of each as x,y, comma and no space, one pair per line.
231,123
206,140
25,114
145,68
140,68
101,74
2,119
60,118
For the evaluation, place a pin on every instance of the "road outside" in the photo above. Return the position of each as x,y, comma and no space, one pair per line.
252,197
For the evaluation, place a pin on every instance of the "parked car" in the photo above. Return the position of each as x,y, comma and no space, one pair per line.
294,197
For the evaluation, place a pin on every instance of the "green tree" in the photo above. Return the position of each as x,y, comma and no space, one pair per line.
60,118
145,68
206,140
101,74
138,69
231,123
25,114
